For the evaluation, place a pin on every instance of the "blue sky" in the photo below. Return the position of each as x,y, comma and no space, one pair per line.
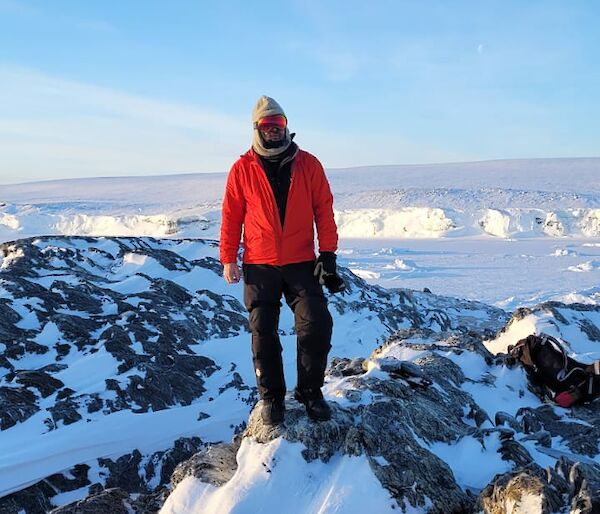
149,87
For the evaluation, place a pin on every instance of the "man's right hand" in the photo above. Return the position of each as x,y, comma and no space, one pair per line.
231,273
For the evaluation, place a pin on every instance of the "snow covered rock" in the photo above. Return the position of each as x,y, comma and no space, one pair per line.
125,370
113,500
386,419
114,349
438,421
214,465
566,487
523,491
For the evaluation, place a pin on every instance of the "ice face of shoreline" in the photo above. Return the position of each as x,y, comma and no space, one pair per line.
506,199
19,221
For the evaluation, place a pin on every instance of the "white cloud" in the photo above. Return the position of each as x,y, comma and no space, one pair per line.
47,91
52,127
56,128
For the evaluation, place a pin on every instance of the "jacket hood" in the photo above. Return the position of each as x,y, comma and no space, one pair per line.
267,106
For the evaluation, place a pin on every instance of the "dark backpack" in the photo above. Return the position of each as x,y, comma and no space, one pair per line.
563,379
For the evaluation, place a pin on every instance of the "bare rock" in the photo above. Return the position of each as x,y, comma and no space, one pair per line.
16,405
213,465
320,439
525,490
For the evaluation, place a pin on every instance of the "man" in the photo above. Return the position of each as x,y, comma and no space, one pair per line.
277,193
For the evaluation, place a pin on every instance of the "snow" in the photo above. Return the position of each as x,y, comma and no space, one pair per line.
501,396
10,257
495,223
86,374
527,504
69,497
585,267
491,231
508,233
105,436
416,222
504,273
472,463
271,476
515,332
366,274
538,197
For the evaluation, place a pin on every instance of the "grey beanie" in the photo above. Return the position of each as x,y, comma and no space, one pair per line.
266,106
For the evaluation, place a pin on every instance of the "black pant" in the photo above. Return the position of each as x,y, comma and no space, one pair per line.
263,287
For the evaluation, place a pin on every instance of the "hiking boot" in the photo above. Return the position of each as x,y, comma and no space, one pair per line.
316,407
272,411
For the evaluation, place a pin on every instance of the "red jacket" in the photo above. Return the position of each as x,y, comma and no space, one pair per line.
249,201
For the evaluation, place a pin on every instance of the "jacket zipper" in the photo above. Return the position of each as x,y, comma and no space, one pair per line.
289,195
266,184
274,201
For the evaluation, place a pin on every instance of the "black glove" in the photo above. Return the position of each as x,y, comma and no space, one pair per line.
326,273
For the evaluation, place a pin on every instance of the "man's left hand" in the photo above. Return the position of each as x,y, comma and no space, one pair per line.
326,273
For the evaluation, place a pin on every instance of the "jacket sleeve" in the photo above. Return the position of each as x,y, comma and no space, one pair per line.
232,217
323,210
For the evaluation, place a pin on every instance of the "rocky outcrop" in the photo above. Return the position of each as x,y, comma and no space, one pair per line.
400,413
144,309
566,487
214,465
561,314
73,287
16,405
128,484
525,489
37,498
404,413
113,501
